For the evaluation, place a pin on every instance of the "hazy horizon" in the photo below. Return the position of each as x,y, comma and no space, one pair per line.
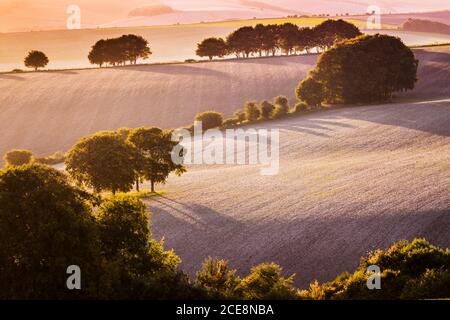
27,15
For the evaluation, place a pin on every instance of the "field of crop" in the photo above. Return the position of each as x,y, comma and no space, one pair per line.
351,179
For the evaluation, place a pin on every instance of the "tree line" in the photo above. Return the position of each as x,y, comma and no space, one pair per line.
273,39
118,51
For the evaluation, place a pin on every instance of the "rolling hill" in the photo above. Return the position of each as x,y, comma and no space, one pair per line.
49,111
351,179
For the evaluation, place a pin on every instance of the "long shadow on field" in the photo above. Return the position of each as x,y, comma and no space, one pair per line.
11,77
314,247
314,126
198,214
432,117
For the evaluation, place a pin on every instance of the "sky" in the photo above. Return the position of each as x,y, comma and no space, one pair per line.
26,15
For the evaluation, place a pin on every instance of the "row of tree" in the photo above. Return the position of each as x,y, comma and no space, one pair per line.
115,161
119,51
273,39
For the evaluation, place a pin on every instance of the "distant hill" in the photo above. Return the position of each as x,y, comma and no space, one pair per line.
152,10
425,26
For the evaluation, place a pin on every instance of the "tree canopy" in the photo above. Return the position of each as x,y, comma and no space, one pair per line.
212,47
366,69
36,59
102,161
271,39
18,157
154,148
117,51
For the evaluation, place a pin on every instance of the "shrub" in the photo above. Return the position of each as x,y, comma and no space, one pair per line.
301,107
218,281
56,158
252,112
266,282
240,116
18,157
310,91
409,270
230,122
210,119
281,107
266,109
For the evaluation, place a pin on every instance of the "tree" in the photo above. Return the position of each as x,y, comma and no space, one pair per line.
118,51
266,109
125,235
135,47
311,92
252,111
45,226
36,60
153,161
305,40
331,31
212,47
270,41
102,161
288,38
366,69
99,53
242,42
266,282
18,157
210,119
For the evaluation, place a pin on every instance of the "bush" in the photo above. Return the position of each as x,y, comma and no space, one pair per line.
310,91
301,107
281,107
18,157
409,270
217,280
266,109
210,119
56,158
240,116
230,122
266,282
252,112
